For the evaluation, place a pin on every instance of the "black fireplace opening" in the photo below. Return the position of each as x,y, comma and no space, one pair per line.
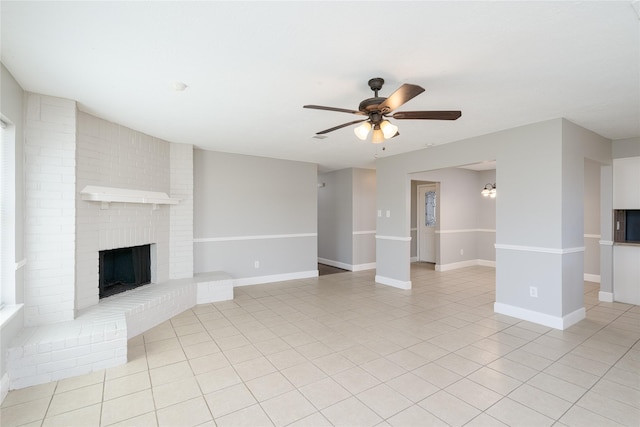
124,269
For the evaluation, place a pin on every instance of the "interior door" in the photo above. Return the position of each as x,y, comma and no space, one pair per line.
427,222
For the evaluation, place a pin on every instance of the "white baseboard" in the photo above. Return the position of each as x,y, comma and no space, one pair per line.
362,267
463,264
592,278
541,318
605,296
393,282
336,264
259,280
349,267
414,259
486,263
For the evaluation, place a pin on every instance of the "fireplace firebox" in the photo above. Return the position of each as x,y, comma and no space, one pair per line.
124,269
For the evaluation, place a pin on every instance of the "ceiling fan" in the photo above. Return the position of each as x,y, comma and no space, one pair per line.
377,109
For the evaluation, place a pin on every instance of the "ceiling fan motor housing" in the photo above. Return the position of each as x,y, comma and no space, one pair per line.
371,105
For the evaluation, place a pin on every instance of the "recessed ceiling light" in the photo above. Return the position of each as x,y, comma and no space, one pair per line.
179,86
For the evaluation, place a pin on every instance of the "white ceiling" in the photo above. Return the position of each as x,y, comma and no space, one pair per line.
251,66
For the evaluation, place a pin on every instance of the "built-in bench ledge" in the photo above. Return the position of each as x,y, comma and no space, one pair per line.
97,338
106,195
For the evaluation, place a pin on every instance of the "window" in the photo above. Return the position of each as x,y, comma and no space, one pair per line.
430,208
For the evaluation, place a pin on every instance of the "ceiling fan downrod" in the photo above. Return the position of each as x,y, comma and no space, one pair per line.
376,84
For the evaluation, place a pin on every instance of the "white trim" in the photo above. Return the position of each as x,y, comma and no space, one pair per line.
486,263
365,232
591,277
463,264
393,282
413,259
21,264
258,280
8,312
336,264
606,242
539,249
591,236
605,296
540,318
401,239
456,265
362,267
95,193
413,229
467,230
4,386
344,266
264,237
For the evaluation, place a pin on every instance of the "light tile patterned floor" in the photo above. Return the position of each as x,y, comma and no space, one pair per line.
339,350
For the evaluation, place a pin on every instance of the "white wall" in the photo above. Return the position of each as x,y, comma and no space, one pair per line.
181,215
249,209
49,233
112,155
11,108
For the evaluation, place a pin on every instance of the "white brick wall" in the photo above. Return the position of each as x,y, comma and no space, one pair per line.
181,215
65,150
50,153
114,156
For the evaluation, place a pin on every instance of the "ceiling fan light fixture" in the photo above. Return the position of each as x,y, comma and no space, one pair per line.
489,190
362,131
377,136
388,130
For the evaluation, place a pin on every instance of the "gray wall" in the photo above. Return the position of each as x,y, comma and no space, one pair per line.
486,216
629,147
465,216
347,218
539,212
592,218
249,209
335,217
11,107
364,217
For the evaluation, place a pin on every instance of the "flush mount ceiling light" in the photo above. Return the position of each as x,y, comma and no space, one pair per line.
179,86
377,109
489,190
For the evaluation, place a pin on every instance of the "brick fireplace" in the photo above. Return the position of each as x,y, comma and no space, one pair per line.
67,150
71,159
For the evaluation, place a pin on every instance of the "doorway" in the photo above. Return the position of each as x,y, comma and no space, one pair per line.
427,221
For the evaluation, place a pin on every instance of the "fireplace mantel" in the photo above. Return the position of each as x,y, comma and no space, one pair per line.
107,195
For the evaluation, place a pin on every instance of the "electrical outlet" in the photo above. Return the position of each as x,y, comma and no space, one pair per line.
461,251
379,213
256,264
533,291
388,214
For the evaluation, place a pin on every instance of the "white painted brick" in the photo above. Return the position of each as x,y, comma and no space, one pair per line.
58,365
70,353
